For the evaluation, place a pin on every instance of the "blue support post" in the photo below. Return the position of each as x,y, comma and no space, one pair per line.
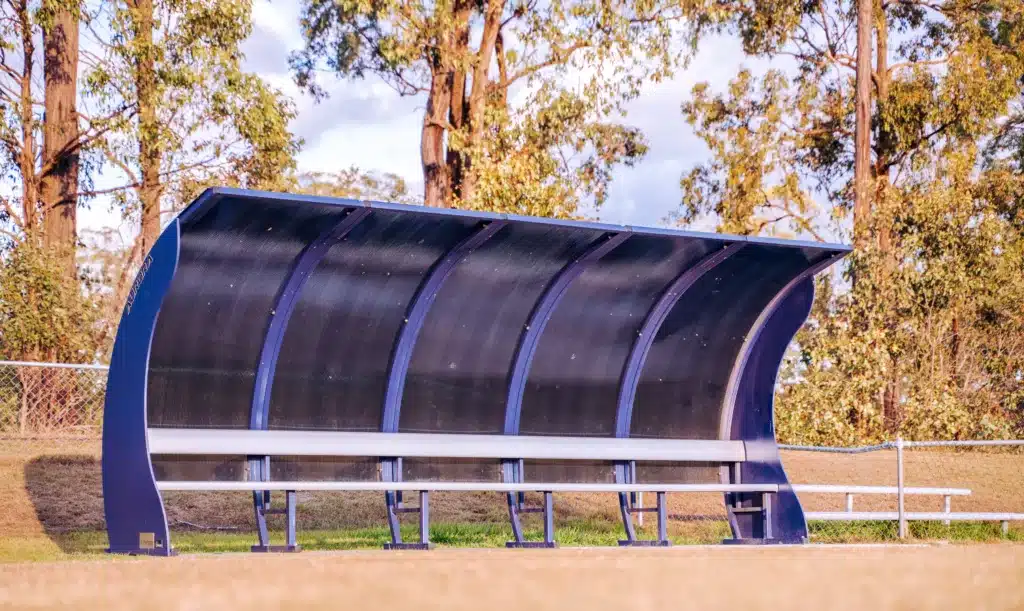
132,505
757,518
280,313
538,320
655,318
401,355
416,315
523,358
549,520
649,331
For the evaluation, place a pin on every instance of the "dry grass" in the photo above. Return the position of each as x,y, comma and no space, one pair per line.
989,577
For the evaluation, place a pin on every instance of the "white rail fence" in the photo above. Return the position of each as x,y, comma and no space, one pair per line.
983,465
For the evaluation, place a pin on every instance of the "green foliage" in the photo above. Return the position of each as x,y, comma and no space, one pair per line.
43,314
353,183
924,334
215,123
543,160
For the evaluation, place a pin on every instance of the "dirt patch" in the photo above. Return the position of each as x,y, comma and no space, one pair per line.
990,577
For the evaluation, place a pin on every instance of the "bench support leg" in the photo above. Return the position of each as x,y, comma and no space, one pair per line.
549,523
627,519
513,516
763,515
259,470
263,510
549,519
627,510
662,520
391,501
395,507
261,503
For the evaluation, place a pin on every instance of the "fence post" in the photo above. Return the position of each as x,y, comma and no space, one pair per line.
899,488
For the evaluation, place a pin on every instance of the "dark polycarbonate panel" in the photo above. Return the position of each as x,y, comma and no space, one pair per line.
233,260
573,384
682,386
458,377
450,470
332,369
173,467
679,473
569,471
324,469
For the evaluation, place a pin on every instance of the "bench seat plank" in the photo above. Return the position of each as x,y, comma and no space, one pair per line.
462,486
430,445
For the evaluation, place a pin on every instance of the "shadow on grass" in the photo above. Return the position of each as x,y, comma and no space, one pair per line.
66,493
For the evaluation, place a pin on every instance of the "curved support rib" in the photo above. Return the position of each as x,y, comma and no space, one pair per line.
416,315
732,389
649,331
280,313
542,311
748,413
401,355
132,505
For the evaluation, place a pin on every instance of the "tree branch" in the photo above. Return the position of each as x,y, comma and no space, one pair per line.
558,56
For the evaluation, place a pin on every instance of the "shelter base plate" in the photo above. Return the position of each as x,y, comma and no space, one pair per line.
645,543
755,541
531,544
425,546
158,551
276,549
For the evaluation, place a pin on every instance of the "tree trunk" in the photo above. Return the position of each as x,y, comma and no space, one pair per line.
27,158
458,108
59,181
149,128
862,132
478,93
884,144
436,182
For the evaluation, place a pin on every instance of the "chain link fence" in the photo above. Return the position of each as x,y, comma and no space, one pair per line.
51,399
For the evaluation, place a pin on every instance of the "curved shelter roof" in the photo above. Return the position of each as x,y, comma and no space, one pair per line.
298,312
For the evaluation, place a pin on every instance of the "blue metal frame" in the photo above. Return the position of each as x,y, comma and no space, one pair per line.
280,314
752,383
538,320
284,305
526,347
132,505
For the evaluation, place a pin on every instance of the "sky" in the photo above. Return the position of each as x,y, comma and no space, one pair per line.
365,123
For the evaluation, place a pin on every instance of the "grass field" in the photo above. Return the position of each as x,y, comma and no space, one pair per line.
878,578
51,506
